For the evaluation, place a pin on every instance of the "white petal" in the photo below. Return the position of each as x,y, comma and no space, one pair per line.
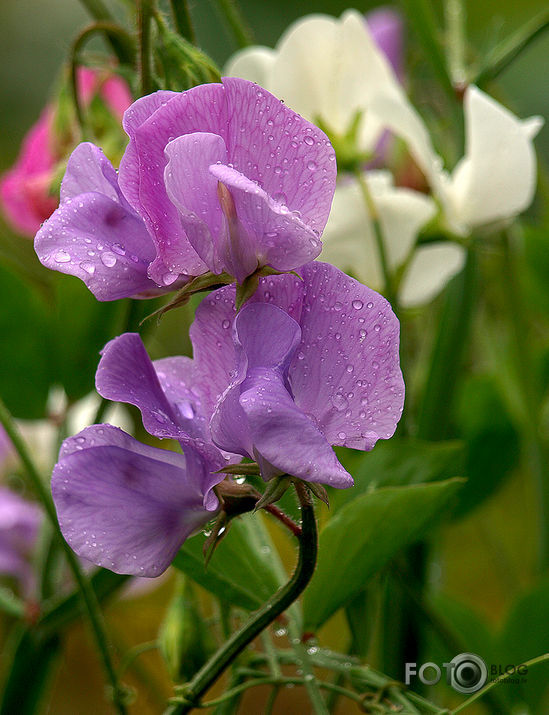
496,178
252,63
431,268
349,240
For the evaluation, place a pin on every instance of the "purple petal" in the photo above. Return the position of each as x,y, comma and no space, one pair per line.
265,336
126,506
88,169
270,233
201,109
290,158
134,117
346,372
193,190
284,436
127,374
99,241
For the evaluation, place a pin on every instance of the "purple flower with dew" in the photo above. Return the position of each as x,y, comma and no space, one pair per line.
227,178
306,364
19,525
95,234
127,506
222,177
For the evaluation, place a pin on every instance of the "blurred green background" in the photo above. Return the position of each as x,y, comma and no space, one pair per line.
482,562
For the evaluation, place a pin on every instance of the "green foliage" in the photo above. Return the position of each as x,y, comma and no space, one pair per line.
244,570
364,535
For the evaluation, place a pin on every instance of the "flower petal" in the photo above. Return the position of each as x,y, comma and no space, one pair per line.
270,234
349,240
496,178
200,109
127,374
252,63
88,169
346,372
193,190
431,268
101,242
126,506
290,158
284,436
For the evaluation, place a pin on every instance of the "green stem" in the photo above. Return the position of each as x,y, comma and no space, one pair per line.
119,44
487,688
110,30
511,48
454,12
134,653
277,604
144,15
233,15
380,242
183,20
86,592
279,682
524,373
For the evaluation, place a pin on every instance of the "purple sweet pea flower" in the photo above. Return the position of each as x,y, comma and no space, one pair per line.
19,525
227,178
306,364
127,506
95,234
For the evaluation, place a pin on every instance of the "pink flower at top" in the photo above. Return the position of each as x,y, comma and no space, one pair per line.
25,196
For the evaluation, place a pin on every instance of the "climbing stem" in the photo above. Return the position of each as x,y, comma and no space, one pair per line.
193,691
86,591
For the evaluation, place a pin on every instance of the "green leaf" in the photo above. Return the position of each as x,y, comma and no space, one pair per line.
363,536
30,670
492,442
244,570
396,463
24,358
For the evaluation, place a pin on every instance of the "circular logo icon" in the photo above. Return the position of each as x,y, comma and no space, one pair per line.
468,674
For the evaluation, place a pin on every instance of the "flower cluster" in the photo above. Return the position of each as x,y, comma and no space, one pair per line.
225,179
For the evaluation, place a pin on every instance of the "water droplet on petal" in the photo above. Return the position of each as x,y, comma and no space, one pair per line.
358,304
339,401
309,140
62,257
108,259
88,266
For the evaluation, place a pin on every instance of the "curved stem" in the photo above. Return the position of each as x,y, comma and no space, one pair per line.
483,691
88,595
183,20
277,604
119,44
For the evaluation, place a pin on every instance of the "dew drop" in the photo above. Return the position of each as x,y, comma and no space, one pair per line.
309,140
62,257
88,266
358,304
339,401
226,324
108,259
311,165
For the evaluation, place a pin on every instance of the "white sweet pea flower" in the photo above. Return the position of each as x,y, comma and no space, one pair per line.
496,179
349,239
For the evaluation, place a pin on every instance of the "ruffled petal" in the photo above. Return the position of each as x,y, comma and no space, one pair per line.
101,242
430,270
284,436
346,373
268,233
125,506
88,169
127,374
290,158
